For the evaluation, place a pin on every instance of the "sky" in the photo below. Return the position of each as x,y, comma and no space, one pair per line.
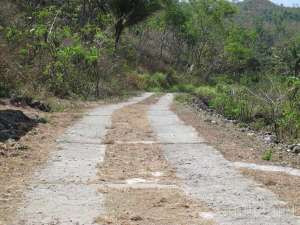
289,3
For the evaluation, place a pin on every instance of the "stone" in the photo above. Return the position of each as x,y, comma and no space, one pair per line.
136,218
269,138
296,149
214,122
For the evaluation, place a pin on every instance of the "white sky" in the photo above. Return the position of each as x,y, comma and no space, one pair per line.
286,2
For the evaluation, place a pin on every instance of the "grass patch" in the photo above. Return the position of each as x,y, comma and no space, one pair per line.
267,155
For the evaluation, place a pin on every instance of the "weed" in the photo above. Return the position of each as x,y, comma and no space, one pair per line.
267,155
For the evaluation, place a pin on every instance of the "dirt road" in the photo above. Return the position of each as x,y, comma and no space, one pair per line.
206,175
138,163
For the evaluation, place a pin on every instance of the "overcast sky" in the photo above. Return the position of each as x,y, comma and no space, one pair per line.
287,2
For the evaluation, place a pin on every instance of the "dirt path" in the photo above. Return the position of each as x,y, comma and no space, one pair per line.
281,174
137,163
19,159
63,192
235,199
139,185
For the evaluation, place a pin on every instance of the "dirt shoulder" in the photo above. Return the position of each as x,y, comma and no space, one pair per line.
139,185
284,186
234,143
20,158
238,146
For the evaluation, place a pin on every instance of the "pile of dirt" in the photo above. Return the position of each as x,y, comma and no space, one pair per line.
26,101
14,124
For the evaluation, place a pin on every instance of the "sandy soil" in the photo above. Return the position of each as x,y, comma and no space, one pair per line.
286,187
238,146
16,170
139,185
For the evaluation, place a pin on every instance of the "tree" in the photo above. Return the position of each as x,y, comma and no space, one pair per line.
295,55
240,49
131,12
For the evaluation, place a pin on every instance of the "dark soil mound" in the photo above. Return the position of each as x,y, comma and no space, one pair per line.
14,124
23,101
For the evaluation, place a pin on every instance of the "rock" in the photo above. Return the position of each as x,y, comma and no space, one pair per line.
109,142
163,200
228,121
136,218
10,141
207,120
235,121
244,129
23,101
295,148
269,138
214,122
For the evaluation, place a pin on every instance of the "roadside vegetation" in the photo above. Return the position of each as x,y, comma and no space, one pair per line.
240,59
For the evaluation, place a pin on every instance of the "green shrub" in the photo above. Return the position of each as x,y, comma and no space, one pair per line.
258,124
12,34
221,79
185,88
150,82
183,98
205,91
267,155
4,91
158,81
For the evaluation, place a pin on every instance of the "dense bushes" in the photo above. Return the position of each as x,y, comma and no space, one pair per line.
63,49
272,103
152,82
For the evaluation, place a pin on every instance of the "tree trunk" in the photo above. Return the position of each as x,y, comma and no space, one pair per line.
297,67
119,28
97,91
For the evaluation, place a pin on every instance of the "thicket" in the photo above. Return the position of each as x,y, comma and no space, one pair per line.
271,104
246,68
68,48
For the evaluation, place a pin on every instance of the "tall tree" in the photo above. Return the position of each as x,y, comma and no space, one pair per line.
131,12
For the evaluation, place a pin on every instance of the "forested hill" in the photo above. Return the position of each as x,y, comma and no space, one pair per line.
273,17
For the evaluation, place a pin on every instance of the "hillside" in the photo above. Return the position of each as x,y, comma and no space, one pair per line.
272,17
